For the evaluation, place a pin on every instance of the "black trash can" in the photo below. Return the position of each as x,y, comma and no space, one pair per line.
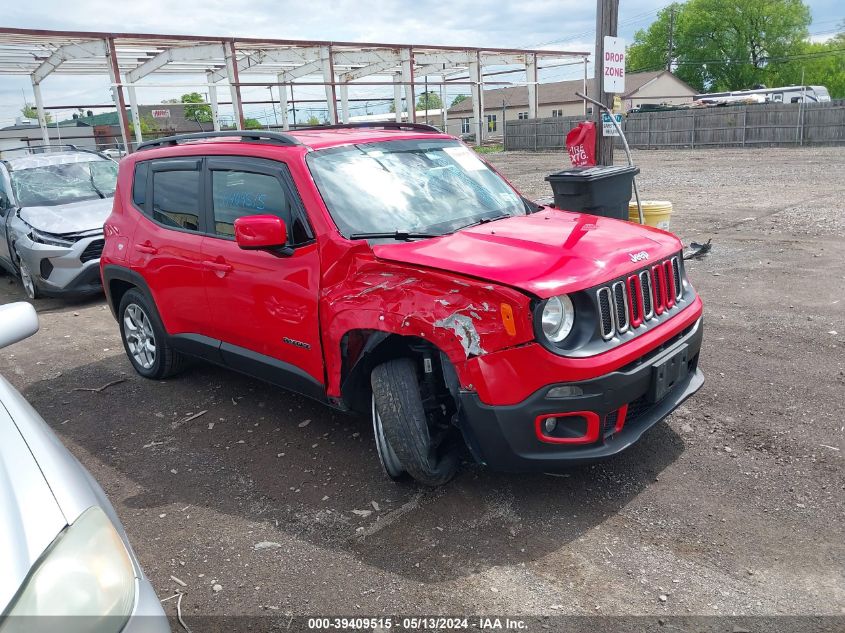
604,191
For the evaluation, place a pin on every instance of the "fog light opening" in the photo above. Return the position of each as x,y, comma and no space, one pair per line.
572,427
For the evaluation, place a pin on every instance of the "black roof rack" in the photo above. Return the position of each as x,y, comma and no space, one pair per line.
258,136
391,125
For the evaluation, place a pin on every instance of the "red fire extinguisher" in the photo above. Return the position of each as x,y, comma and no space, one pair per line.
581,144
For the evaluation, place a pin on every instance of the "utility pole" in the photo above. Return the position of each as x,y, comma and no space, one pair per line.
607,20
504,121
671,49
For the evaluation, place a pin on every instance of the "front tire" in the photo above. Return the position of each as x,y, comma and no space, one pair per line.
427,453
387,456
27,280
144,338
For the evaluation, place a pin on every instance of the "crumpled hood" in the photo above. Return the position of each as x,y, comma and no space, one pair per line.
74,217
547,253
30,517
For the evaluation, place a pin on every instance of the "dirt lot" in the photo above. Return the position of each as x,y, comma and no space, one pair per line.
735,505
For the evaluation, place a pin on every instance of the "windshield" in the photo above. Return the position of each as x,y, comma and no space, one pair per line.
420,186
821,93
49,185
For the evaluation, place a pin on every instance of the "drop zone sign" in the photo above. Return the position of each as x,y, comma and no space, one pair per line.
613,64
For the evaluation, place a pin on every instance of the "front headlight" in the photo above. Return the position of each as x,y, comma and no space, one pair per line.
85,572
50,240
558,318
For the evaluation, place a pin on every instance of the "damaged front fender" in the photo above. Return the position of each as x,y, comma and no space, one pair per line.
461,317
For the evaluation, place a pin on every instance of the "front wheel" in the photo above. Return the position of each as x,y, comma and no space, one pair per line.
387,456
422,443
27,280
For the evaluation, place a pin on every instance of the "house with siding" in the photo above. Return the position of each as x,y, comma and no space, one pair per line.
558,99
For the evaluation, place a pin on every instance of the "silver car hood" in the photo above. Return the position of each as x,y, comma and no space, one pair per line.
74,217
30,517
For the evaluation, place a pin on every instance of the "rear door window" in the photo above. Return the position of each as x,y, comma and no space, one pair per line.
176,195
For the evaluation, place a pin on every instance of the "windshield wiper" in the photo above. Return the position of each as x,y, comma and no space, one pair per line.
94,187
395,235
484,221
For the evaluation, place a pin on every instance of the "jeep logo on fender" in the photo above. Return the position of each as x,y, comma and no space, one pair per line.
638,257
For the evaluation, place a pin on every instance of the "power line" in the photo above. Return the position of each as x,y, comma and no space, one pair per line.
737,62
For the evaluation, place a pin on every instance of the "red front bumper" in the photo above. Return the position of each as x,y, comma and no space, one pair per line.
510,376
593,417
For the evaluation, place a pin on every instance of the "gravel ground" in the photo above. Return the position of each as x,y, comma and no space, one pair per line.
267,503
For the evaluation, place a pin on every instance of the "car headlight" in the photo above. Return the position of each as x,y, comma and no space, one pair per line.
50,240
558,317
85,572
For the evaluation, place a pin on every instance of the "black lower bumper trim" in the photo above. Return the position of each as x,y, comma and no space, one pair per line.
87,283
504,437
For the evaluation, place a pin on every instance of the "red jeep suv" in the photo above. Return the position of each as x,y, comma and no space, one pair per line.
389,270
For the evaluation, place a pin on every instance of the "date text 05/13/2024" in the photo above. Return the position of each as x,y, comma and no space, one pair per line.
417,623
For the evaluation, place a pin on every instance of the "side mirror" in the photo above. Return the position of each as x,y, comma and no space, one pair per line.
256,232
17,322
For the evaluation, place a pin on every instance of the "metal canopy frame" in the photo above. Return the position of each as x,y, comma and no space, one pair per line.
129,58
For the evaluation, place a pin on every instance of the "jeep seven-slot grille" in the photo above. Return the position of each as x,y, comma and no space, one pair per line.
626,305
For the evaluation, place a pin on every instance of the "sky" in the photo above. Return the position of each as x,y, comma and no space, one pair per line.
551,24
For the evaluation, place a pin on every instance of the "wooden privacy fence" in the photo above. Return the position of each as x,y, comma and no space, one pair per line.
766,124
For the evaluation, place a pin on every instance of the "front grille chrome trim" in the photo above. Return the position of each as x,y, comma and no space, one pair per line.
648,299
619,292
679,282
606,333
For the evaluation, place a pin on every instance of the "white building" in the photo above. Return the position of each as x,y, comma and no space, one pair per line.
558,99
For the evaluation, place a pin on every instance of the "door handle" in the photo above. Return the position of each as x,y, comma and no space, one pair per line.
146,247
221,267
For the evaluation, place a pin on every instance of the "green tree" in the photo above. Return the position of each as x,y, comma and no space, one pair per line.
148,126
650,49
252,124
819,64
722,44
312,120
429,101
200,112
458,99
30,112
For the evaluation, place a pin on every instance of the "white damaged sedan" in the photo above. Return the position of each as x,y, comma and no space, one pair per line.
66,562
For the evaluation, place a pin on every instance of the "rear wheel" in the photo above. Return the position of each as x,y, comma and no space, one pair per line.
415,429
144,338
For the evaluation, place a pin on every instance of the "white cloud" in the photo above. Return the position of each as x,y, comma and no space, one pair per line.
555,24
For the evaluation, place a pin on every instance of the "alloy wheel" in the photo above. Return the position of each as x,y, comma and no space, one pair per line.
139,336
